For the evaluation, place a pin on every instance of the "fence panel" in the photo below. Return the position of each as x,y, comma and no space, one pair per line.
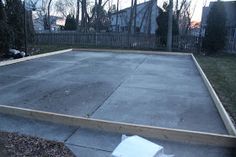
124,40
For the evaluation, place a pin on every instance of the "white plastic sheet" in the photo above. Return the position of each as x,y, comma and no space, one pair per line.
135,146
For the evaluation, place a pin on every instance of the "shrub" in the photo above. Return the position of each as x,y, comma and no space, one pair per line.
214,39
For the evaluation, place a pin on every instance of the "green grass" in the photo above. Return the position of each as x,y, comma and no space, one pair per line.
39,49
221,72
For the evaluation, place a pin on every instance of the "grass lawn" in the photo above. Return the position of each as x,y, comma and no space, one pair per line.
221,72
39,49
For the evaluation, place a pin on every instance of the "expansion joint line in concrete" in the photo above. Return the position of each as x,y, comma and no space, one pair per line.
91,114
177,135
98,149
71,135
148,131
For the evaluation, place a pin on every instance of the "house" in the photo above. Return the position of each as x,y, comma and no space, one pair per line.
56,23
230,8
147,13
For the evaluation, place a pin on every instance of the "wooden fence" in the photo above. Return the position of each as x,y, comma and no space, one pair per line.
231,45
122,40
98,39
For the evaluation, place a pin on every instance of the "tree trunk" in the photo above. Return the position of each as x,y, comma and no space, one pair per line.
77,14
170,21
100,2
84,15
131,16
97,17
49,18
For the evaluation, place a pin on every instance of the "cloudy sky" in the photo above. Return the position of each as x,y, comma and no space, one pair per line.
196,15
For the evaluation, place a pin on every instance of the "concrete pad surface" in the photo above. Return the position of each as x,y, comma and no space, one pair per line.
104,142
50,131
88,152
91,143
159,90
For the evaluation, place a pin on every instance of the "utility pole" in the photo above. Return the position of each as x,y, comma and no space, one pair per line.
49,16
97,16
117,9
135,15
170,19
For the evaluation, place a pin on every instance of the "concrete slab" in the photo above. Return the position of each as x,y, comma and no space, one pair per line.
88,152
36,128
152,107
59,96
104,143
98,140
159,90
91,143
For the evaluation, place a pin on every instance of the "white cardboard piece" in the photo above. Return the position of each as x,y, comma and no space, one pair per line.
135,146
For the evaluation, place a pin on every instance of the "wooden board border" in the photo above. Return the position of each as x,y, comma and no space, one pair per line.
176,135
8,62
147,131
133,51
224,115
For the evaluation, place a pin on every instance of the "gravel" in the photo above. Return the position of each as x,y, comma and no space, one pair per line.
13,144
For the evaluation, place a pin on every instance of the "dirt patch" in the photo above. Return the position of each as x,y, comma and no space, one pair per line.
13,144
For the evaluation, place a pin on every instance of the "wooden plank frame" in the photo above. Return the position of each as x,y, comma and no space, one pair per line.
178,135
8,62
133,51
224,115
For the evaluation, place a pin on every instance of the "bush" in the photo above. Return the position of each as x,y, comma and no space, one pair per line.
214,39
70,23
5,38
15,20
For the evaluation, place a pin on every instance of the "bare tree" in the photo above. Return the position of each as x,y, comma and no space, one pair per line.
65,7
170,19
186,17
178,9
131,16
117,12
44,12
84,14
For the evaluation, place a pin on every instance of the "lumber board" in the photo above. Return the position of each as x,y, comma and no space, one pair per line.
224,115
177,135
8,62
133,51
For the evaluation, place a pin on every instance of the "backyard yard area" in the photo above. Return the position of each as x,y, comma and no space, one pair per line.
146,89
221,72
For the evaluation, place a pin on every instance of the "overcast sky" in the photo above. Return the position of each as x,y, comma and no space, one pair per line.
198,3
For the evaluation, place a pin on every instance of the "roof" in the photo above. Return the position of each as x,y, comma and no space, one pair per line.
128,8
